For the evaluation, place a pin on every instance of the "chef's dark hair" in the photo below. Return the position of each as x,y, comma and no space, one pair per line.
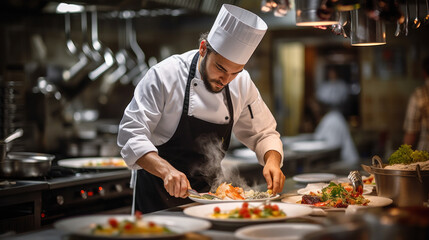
204,36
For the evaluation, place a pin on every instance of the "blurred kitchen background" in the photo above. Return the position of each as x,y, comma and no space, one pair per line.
67,75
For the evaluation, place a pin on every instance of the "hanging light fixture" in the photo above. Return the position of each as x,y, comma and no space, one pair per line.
366,31
314,13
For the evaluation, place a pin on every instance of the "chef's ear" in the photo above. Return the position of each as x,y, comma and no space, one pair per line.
203,48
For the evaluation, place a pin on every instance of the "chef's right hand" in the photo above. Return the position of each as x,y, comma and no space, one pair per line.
176,183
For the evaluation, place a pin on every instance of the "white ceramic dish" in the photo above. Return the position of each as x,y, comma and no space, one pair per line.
204,212
309,146
92,163
375,201
80,226
207,201
314,177
276,231
244,153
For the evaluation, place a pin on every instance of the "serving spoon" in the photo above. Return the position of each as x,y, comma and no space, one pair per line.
193,192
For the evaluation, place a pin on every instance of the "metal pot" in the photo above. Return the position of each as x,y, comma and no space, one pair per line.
25,165
404,187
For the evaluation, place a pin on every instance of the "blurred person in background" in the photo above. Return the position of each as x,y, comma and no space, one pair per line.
332,126
416,123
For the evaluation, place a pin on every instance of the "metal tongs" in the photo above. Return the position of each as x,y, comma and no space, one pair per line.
194,193
356,180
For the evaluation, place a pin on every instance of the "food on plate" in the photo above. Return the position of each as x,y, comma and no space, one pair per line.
226,191
253,212
334,195
369,180
137,226
406,159
112,162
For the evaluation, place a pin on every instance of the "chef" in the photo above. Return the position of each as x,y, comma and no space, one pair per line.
190,101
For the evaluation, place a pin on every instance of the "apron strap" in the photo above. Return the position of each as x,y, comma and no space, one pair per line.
188,85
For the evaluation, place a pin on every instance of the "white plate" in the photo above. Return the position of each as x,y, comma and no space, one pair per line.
179,225
309,146
205,201
244,153
276,231
314,177
315,187
84,162
204,212
375,201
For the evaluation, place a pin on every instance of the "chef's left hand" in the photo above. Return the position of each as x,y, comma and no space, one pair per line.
272,172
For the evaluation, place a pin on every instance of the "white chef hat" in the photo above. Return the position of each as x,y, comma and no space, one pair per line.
236,33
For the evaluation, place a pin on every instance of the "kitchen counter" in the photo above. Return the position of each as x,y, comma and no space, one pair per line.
367,223
215,232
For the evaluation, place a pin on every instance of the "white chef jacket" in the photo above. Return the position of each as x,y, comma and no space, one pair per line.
152,116
334,129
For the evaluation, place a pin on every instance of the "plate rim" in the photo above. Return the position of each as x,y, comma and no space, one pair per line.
64,163
59,225
243,221
239,232
298,177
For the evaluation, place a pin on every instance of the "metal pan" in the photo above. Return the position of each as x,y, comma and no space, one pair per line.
25,165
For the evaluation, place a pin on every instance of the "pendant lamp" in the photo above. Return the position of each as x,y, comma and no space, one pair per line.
366,31
314,13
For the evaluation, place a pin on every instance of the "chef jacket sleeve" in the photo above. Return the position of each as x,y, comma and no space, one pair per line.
140,117
256,126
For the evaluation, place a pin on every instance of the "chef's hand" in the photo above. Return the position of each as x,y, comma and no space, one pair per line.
175,182
272,172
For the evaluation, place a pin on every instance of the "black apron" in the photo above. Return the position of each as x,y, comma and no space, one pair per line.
184,151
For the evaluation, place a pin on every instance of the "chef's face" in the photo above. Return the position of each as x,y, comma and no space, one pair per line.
216,70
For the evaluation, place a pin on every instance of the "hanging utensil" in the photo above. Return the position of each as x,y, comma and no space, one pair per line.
95,57
83,60
426,20
407,18
417,20
4,144
108,59
398,28
124,62
141,67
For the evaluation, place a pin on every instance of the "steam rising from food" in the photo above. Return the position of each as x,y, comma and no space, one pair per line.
212,170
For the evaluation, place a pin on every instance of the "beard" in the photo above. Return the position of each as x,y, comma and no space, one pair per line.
205,76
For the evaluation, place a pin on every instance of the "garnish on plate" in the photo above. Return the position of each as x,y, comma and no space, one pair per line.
246,211
335,195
